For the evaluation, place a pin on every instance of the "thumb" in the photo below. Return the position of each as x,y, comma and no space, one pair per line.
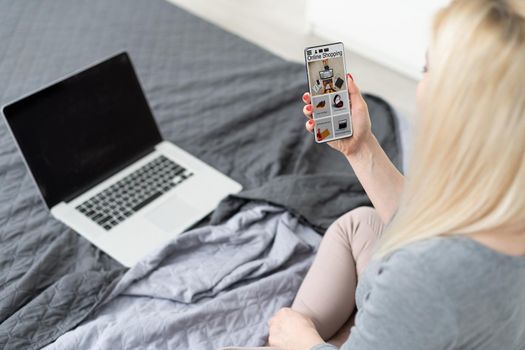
356,99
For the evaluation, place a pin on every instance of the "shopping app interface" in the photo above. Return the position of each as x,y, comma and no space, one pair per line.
329,94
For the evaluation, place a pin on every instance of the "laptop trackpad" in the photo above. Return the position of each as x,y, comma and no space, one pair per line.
170,215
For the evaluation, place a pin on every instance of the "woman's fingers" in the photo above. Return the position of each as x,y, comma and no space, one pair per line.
307,111
306,97
356,98
310,125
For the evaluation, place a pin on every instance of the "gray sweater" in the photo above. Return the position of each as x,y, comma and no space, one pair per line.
442,293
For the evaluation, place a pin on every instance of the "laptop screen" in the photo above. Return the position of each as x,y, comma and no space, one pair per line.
81,130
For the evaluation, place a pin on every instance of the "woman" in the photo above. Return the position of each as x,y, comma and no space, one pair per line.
449,270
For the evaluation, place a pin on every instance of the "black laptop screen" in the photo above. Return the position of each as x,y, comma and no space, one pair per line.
83,129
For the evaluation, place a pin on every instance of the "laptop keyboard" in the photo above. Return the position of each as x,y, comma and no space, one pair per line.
127,196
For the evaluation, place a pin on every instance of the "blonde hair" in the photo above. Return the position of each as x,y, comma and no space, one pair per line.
467,168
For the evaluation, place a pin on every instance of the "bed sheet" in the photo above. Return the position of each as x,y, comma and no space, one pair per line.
212,287
221,98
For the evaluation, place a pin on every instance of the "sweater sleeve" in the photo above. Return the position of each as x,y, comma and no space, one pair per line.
407,308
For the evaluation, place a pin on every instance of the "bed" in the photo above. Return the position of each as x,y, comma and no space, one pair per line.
226,101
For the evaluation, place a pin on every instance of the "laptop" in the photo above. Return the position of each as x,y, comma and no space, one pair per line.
94,151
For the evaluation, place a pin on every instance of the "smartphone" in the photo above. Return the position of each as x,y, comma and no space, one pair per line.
326,72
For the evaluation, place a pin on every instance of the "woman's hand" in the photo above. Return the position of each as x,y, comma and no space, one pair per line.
290,330
381,180
362,128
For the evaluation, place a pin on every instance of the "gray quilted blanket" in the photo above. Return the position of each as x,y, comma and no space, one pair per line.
212,287
228,102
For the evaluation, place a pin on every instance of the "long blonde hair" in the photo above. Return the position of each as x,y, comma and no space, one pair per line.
467,168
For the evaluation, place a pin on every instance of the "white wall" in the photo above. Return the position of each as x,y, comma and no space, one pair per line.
392,32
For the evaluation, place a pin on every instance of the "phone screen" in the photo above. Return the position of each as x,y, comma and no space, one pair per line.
325,66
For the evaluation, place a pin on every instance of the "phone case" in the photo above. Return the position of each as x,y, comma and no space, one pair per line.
326,74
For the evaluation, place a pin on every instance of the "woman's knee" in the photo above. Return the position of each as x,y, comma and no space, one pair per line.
356,218
361,213
346,226
364,234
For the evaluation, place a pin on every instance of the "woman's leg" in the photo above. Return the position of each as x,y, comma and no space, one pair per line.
327,294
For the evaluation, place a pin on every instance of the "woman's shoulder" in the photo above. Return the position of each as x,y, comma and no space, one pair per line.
455,254
461,280
455,266
466,273
443,292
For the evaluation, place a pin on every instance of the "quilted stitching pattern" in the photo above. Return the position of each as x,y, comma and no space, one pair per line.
215,286
215,95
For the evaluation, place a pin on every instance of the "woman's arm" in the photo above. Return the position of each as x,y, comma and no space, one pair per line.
381,180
